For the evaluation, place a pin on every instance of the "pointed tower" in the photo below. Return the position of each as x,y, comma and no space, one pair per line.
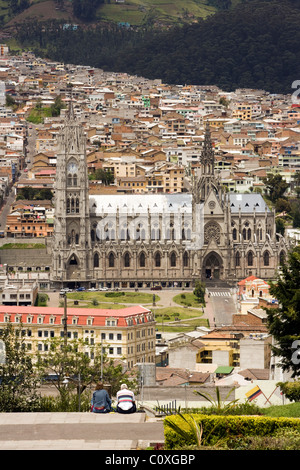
205,180
71,240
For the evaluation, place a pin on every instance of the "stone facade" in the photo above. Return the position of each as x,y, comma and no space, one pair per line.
143,240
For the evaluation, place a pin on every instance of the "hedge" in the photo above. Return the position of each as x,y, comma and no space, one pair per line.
219,427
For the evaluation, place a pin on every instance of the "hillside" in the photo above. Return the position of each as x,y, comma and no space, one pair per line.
135,12
255,45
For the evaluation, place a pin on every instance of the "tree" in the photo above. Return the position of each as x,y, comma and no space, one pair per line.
199,291
106,177
276,186
19,381
73,370
284,320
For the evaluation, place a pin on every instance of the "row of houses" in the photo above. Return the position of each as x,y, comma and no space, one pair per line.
152,133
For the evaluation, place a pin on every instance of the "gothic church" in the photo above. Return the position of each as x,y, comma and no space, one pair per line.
120,241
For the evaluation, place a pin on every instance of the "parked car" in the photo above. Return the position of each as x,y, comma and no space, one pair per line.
156,288
80,289
103,288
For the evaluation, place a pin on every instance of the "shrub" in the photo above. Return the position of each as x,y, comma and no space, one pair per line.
290,389
114,294
226,428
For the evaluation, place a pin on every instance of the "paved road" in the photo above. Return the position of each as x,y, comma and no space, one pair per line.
222,303
78,431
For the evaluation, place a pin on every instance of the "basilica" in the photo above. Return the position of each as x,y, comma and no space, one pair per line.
163,240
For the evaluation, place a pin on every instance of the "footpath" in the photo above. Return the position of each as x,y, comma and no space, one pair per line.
79,431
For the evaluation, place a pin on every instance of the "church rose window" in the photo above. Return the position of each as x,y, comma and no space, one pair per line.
212,230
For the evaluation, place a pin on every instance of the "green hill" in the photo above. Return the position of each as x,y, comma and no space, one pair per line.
135,12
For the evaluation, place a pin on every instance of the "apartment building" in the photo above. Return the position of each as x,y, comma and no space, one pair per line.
127,333
29,222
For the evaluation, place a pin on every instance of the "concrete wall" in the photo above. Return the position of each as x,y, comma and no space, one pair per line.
255,353
21,257
184,395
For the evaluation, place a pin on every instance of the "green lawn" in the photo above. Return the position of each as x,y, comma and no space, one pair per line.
292,410
119,297
138,12
187,319
188,299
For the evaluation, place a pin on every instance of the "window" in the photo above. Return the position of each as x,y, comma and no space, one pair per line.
127,260
111,260
250,258
96,260
111,336
173,259
142,260
157,260
185,259
237,259
266,258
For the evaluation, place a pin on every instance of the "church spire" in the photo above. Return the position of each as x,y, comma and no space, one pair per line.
207,155
70,115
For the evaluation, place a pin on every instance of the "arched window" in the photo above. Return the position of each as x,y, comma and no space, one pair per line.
77,205
157,260
282,257
237,259
185,259
249,233
111,260
93,235
75,180
142,260
69,180
68,206
266,258
250,258
127,260
173,259
96,260
234,234
244,234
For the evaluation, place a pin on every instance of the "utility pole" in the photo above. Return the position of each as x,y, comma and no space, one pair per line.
65,320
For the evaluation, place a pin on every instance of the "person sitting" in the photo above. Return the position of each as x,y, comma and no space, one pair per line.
101,402
125,400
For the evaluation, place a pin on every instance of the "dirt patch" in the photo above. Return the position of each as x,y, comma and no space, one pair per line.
44,11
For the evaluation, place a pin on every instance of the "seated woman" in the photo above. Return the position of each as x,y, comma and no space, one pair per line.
101,402
125,400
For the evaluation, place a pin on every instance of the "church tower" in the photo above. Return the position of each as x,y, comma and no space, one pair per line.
71,241
211,217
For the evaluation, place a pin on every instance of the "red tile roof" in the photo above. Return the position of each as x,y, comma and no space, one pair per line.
99,315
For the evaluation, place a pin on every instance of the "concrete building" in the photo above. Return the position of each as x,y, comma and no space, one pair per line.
127,334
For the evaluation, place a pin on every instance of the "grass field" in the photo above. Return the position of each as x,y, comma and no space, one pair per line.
138,12
124,298
135,12
292,410
188,299
187,319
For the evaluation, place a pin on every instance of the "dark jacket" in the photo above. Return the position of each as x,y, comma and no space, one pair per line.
101,400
